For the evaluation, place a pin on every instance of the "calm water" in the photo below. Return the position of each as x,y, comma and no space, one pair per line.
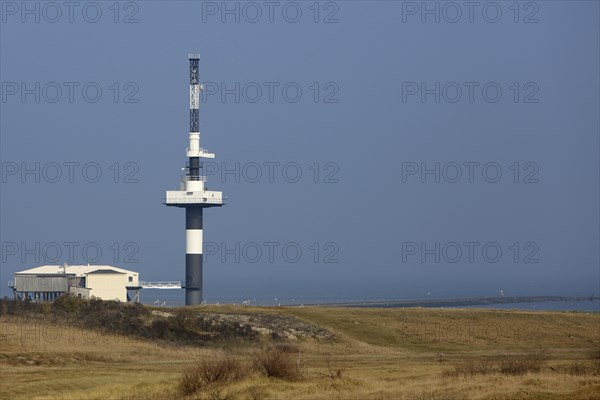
593,306
171,298
177,298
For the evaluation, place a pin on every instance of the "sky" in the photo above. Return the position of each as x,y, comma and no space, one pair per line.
367,149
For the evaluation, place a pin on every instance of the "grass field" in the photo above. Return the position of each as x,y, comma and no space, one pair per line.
372,354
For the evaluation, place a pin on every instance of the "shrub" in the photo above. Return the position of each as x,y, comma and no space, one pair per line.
183,326
19,307
274,362
223,368
577,369
334,373
509,365
472,367
520,365
190,382
581,367
68,304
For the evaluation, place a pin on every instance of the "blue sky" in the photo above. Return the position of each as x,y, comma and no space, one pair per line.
360,98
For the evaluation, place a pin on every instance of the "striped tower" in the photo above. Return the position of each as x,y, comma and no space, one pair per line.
192,194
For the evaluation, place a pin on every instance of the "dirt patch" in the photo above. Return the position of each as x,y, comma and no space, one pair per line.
275,327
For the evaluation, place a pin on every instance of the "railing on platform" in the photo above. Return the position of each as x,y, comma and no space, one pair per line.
194,200
160,285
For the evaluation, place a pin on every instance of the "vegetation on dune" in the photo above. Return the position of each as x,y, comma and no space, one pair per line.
279,362
212,375
218,369
182,325
109,316
508,365
128,351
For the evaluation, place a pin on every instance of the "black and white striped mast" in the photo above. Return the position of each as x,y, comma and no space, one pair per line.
193,195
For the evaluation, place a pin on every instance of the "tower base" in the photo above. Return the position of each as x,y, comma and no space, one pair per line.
193,256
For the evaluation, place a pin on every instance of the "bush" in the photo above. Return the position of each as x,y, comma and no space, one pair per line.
577,369
275,362
19,307
68,304
190,382
520,365
224,368
183,326
509,365
472,367
589,365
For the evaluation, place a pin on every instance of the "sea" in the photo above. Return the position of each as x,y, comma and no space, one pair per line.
582,305
174,298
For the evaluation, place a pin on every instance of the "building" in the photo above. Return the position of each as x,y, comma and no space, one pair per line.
47,282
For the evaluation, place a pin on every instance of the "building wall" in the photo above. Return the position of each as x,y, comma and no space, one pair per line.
132,279
80,292
108,286
34,283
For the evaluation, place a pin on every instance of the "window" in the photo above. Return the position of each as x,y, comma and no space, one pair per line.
131,279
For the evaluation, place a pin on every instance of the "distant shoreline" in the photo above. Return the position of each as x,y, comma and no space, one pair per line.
456,302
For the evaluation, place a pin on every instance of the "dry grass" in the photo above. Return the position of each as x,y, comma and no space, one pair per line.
218,369
507,365
471,368
519,365
384,354
279,362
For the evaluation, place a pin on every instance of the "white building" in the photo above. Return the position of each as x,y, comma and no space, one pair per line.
48,282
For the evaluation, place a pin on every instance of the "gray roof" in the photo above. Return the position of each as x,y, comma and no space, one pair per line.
105,271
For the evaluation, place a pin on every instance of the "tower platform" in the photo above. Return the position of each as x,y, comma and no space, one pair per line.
182,198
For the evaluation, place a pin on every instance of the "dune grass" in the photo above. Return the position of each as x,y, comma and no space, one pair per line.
377,354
